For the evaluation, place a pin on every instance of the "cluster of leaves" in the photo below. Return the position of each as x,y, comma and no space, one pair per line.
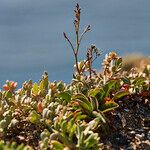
13,146
69,116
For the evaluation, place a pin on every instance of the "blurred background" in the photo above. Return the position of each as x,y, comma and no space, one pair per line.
31,39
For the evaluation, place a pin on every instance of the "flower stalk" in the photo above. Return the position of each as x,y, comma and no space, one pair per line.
78,37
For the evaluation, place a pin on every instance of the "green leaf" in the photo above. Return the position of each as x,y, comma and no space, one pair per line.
34,117
118,63
94,92
41,86
97,92
126,80
57,145
3,124
99,115
20,147
81,65
46,82
1,95
139,81
91,141
84,105
63,126
60,86
108,86
108,106
80,117
65,96
80,96
120,94
35,88
44,134
94,103
72,131
59,136
83,100
8,94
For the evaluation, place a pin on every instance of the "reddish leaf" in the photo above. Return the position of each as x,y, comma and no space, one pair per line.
39,107
13,84
5,87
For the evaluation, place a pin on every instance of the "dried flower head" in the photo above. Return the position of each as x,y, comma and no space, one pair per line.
77,17
111,64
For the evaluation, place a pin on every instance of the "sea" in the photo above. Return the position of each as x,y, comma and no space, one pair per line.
31,35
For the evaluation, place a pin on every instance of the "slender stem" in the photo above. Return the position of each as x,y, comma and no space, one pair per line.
77,42
74,52
69,42
83,33
77,47
90,67
76,62
78,39
94,59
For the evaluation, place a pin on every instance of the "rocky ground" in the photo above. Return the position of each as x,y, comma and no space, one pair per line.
130,125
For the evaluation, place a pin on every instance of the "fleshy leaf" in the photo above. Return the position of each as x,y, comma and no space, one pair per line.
41,86
94,103
139,81
35,88
108,106
84,105
8,94
120,94
83,100
126,80
57,145
97,92
108,86
65,96
34,117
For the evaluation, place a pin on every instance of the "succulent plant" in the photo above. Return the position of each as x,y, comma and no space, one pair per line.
70,116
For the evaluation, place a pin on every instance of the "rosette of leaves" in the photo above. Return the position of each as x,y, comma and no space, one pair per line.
13,146
96,99
70,132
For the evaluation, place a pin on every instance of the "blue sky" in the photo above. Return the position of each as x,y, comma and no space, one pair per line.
31,38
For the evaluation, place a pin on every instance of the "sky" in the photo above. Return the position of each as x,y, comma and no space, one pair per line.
31,39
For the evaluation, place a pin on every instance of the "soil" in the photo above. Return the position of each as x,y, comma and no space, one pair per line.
24,132
129,125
